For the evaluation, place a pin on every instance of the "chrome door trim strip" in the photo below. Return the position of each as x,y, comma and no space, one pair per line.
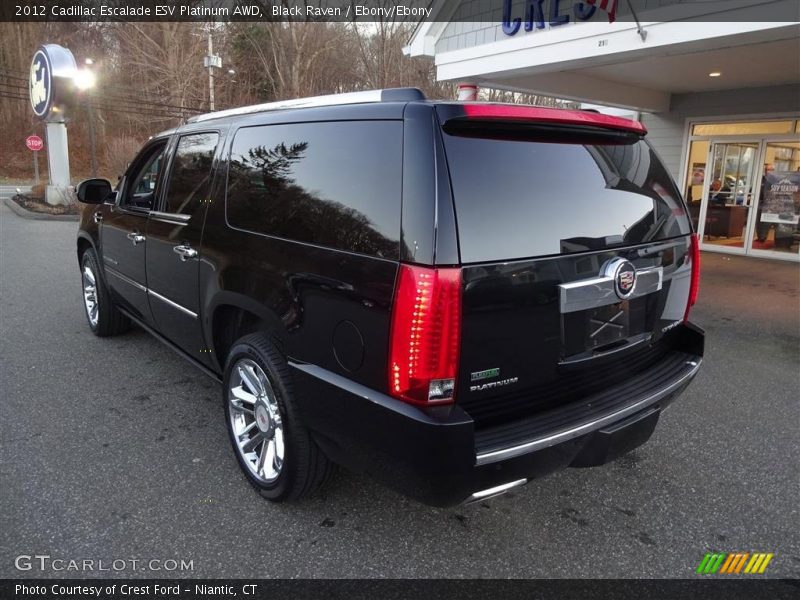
125,278
595,424
150,292
599,291
172,218
173,304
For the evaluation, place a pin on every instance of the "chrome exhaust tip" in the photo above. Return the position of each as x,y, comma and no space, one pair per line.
494,491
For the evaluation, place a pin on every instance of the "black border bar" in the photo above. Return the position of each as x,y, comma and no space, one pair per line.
541,14
706,588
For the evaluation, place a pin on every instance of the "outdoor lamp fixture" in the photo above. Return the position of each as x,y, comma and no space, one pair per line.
715,74
84,79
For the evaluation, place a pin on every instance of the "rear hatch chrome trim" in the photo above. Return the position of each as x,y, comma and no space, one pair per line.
691,369
599,291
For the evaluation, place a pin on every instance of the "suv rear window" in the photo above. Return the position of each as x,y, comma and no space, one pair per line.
521,197
336,184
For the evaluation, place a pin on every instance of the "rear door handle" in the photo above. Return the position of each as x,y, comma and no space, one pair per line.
135,237
185,252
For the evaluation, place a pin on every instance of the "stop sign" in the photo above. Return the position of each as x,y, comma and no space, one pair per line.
34,142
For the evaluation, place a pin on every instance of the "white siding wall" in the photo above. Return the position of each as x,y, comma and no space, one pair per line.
667,130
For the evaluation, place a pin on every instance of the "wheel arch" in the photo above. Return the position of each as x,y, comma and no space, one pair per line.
232,316
84,242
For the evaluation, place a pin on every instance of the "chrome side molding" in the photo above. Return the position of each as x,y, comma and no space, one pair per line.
125,278
150,292
171,303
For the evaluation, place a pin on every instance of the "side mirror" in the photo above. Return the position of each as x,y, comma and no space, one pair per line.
93,191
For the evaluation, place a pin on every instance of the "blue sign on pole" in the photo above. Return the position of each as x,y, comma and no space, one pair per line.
41,84
52,82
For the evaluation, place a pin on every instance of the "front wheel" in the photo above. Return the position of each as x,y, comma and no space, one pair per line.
104,318
272,446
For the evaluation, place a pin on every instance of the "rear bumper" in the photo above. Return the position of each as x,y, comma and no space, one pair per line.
437,457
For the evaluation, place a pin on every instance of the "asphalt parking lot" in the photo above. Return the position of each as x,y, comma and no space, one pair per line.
116,449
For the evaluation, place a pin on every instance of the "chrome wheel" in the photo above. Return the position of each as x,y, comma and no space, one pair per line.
90,295
255,420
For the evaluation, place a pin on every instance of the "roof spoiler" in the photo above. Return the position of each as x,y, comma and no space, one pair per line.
554,116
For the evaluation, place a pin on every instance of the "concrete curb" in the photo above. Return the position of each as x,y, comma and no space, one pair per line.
28,214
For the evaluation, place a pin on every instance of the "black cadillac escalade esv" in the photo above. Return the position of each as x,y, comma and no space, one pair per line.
454,298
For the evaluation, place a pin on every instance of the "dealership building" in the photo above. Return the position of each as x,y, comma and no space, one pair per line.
716,84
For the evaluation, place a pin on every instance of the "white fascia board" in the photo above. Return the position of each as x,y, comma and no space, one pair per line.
579,46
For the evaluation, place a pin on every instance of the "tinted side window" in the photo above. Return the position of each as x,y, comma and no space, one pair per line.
142,191
520,198
335,184
190,175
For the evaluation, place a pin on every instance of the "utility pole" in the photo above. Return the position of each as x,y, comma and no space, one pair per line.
210,62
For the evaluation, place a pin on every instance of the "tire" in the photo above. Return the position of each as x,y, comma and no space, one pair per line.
106,320
284,464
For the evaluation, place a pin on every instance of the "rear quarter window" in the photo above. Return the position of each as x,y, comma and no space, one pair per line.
334,184
520,198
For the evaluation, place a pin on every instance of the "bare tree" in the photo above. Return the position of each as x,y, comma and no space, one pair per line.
162,60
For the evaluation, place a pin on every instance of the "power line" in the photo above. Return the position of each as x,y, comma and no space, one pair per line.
126,100
113,104
159,115
122,91
132,100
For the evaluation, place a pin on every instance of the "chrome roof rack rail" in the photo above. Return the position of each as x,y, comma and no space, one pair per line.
388,95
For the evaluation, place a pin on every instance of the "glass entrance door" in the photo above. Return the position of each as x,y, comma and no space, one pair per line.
777,215
729,194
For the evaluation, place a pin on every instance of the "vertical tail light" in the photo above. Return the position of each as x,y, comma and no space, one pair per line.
425,337
694,287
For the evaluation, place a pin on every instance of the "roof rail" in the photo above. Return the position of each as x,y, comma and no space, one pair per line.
388,95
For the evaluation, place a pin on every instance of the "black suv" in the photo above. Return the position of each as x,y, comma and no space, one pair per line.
454,298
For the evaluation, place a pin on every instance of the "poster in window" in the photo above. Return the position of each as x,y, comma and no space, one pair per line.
781,198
